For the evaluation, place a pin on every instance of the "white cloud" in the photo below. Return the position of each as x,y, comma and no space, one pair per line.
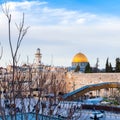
80,21
26,5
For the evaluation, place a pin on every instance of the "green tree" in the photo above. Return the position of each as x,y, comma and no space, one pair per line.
88,69
111,69
108,67
77,69
117,67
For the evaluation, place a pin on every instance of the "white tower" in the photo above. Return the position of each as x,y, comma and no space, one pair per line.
38,57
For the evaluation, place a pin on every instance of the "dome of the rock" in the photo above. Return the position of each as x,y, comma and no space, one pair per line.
79,58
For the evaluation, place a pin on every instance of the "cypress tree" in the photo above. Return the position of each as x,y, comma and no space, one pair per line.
88,69
111,69
117,67
107,65
77,69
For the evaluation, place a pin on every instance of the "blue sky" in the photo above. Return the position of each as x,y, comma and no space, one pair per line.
62,28
95,6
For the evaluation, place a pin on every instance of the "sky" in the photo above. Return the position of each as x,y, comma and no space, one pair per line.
63,28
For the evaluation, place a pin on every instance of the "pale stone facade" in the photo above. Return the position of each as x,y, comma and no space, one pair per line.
77,80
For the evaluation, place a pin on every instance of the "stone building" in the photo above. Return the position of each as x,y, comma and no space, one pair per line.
79,60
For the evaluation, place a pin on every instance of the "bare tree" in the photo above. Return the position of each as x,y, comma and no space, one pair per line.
0,82
1,52
25,85
22,30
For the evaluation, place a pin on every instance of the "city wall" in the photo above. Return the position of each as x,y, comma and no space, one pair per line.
77,80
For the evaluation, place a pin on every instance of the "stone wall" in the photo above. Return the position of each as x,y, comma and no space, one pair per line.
77,80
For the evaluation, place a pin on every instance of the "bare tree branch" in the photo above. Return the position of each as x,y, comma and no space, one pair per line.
1,52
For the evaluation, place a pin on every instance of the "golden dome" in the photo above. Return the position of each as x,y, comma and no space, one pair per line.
78,58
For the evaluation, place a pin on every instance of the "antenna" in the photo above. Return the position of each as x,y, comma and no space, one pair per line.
28,60
51,60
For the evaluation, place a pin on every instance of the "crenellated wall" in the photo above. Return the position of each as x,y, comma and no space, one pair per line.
77,80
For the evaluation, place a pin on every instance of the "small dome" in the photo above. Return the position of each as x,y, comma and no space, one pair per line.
78,58
37,52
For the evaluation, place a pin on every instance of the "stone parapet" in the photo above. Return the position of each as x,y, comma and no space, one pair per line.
77,80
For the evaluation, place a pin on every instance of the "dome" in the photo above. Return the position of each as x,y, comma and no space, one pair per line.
78,58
